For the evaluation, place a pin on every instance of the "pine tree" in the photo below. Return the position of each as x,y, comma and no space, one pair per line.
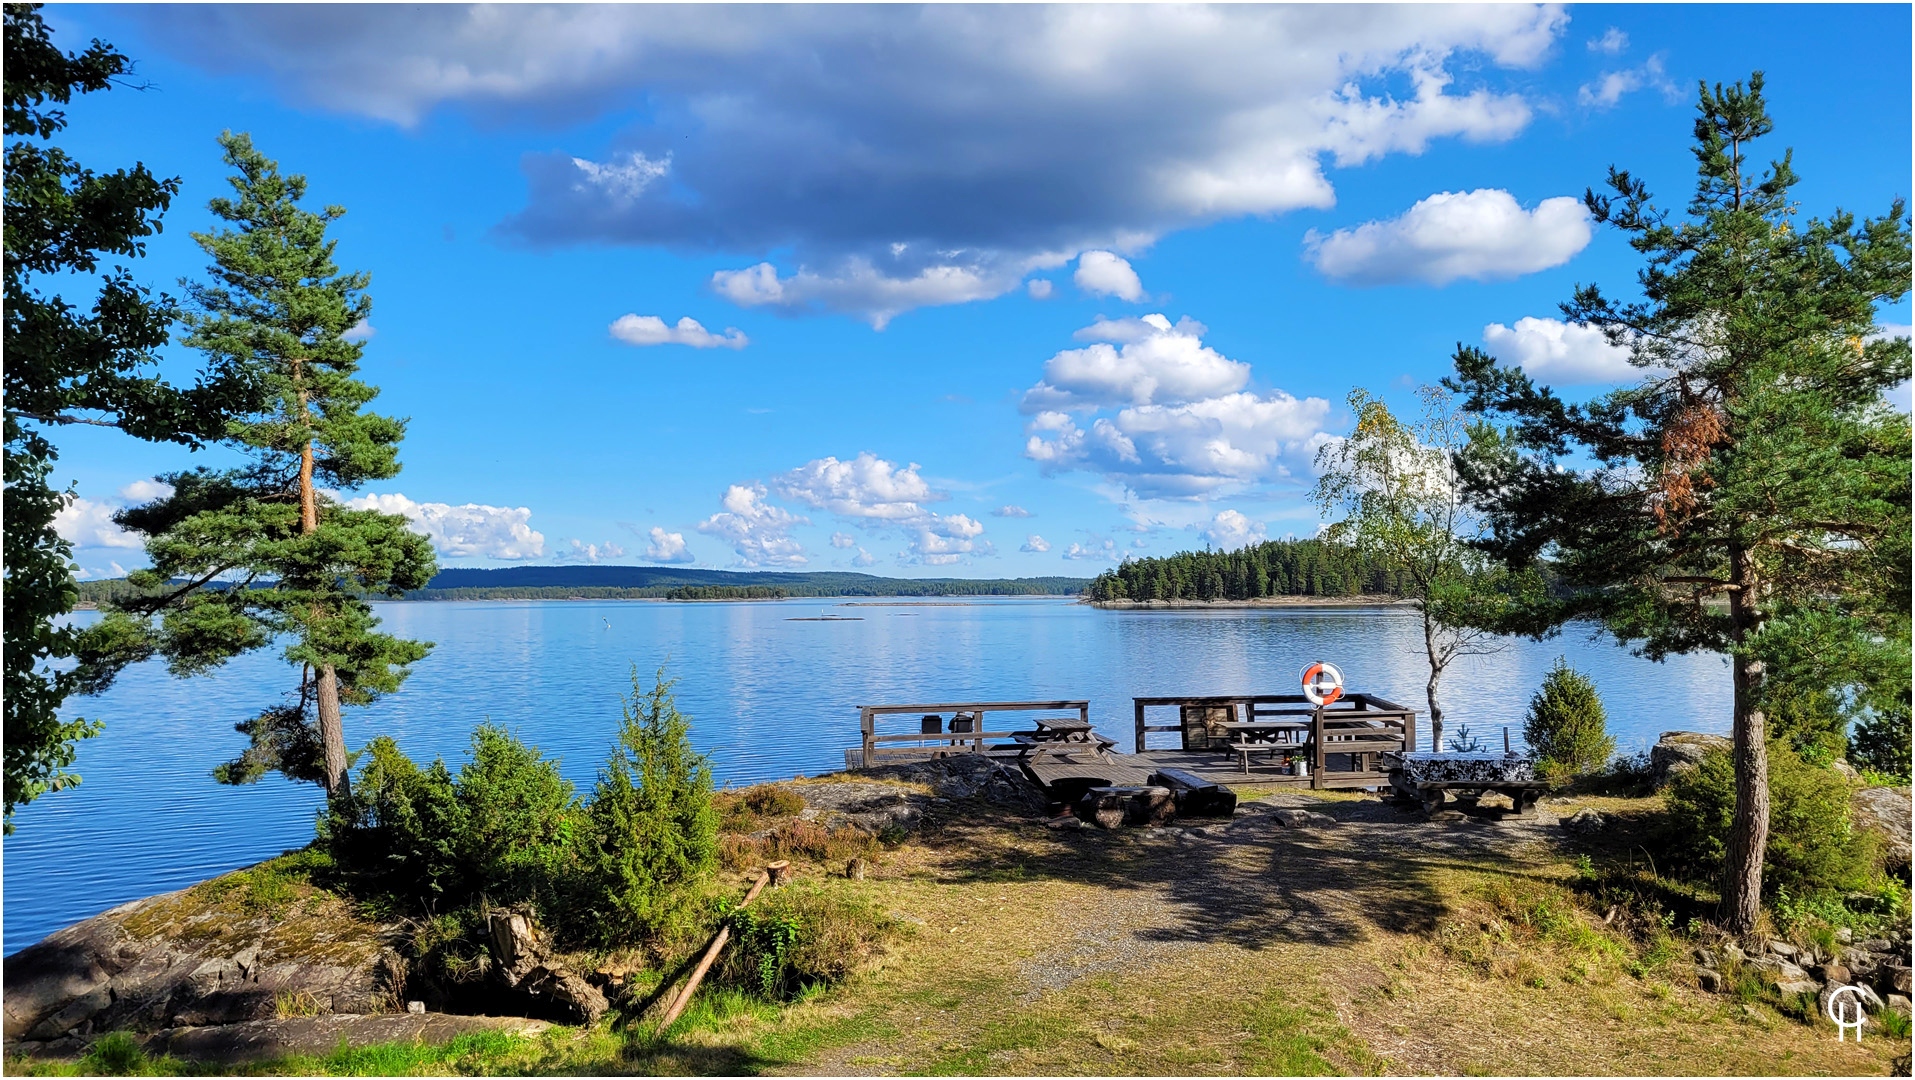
1750,494
244,557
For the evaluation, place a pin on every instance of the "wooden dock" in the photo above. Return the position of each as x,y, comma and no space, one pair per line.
1255,742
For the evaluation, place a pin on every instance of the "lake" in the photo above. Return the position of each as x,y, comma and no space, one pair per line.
769,698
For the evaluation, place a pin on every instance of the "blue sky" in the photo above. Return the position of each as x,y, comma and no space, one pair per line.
974,292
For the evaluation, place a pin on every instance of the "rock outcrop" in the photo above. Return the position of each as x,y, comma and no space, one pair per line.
1884,811
1678,750
220,952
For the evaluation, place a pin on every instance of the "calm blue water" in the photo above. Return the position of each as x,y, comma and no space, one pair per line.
769,698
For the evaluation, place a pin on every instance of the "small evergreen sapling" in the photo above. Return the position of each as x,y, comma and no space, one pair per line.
1565,725
654,831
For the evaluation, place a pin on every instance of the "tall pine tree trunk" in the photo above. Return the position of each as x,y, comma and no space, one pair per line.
1749,830
332,734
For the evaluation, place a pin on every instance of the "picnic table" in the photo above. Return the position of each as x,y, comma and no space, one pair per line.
1429,777
1272,736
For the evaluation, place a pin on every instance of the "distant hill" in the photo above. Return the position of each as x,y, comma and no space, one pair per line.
637,582
663,582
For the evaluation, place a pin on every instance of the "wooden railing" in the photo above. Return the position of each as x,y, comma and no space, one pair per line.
948,741
1364,726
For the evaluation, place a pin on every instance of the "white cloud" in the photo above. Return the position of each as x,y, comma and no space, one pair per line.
1095,551
758,531
622,180
1101,273
145,491
88,524
1612,41
363,330
857,287
667,547
472,530
1135,362
652,330
1011,512
940,146
940,540
1483,235
1610,88
865,487
1231,530
843,540
1039,288
1562,354
863,558
1035,544
1194,450
595,552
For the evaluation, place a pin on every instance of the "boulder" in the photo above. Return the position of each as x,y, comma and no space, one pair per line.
1678,750
1832,972
1797,986
1884,812
320,1035
1302,819
1783,949
216,953
1898,1003
1583,821
1710,981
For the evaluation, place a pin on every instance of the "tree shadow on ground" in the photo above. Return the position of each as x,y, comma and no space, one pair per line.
1252,882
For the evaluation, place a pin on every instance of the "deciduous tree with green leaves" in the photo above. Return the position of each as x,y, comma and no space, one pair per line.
1396,488
1750,494
266,553
68,364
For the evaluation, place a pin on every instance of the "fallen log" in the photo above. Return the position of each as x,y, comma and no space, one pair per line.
1194,796
711,952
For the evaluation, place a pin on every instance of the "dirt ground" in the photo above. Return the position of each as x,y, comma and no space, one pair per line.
1252,948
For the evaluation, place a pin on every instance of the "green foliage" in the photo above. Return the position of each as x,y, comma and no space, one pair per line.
90,363
296,564
726,592
1272,568
1395,484
1880,744
1813,846
1566,725
653,830
505,827
116,1053
802,938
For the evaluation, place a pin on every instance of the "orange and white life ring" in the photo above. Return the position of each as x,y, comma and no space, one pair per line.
1322,683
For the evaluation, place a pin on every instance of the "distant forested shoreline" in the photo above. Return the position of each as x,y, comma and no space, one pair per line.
661,583
1270,569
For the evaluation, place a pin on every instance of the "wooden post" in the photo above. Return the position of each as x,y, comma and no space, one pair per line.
865,723
1140,724
779,873
711,953
1316,737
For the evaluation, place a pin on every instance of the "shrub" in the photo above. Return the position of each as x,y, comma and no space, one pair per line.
1812,844
1880,744
799,841
395,833
802,937
517,820
504,827
654,833
753,808
1565,724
